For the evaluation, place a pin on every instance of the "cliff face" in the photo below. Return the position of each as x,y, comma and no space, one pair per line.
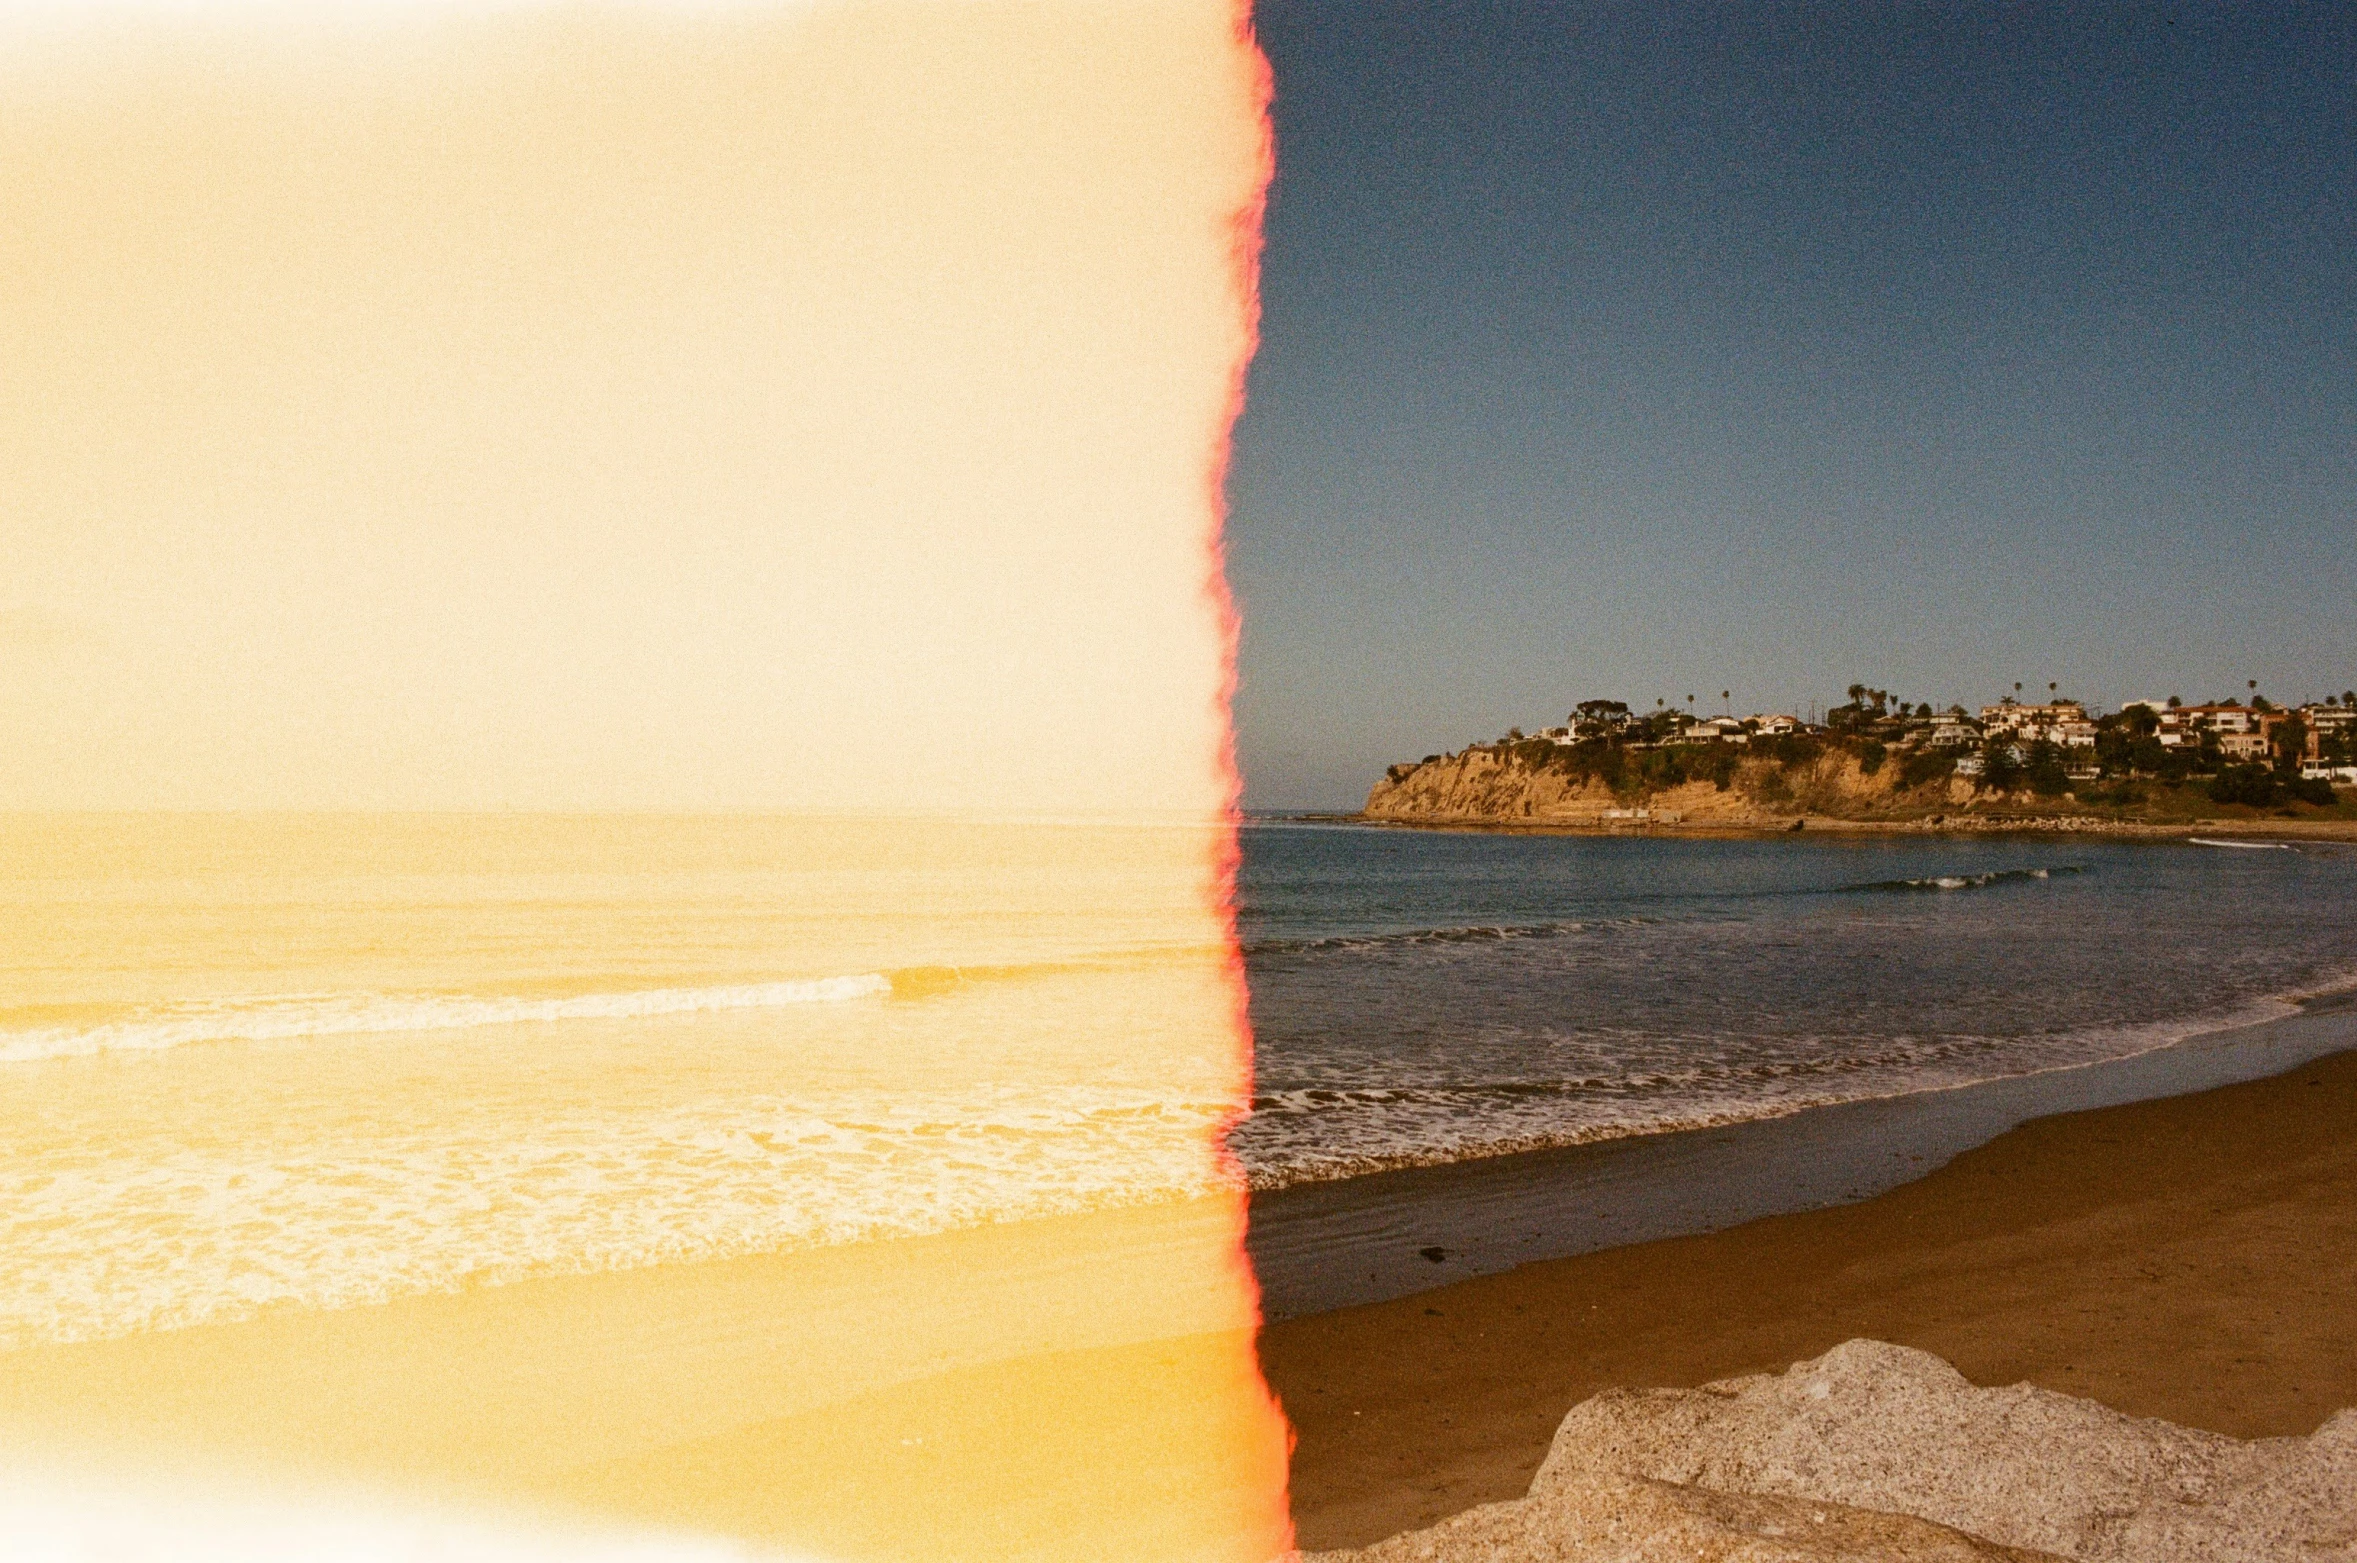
1519,785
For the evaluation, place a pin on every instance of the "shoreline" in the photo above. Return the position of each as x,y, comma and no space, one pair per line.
2318,830
2174,1234
1394,1232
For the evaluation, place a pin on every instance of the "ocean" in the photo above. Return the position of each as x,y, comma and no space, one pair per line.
252,1062
320,1061
1421,997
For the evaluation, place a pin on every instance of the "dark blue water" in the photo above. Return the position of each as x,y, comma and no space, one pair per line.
1421,996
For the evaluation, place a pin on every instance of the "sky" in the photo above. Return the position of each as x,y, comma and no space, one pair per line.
1653,351
663,406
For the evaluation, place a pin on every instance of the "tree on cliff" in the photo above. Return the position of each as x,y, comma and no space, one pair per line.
2000,767
2291,743
2045,772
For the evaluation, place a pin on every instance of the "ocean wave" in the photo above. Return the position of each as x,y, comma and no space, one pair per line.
180,1235
1480,1100
1999,876
1317,1134
288,1017
1408,938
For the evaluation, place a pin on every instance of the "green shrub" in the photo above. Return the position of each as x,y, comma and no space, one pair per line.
2251,784
2000,771
1926,765
1716,765
2044,771
1871,754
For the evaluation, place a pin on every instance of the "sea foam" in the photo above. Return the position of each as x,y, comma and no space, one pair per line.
287,1017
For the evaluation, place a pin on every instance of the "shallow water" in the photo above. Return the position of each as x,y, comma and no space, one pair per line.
1422,997
248,1062
255,1062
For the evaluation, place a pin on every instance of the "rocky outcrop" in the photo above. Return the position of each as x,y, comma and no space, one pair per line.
1624,1519
1877,1451
1507,784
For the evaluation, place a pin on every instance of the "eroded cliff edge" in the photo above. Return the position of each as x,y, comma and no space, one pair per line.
1538,783
1772,783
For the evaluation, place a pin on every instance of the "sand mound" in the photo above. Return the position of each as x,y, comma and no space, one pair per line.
1876,1451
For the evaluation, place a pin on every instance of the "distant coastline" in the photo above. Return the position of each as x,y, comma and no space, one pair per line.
2153,768
2318,827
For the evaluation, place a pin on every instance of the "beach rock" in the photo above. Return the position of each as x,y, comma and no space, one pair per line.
1886,1428
1878,1451
1596,1517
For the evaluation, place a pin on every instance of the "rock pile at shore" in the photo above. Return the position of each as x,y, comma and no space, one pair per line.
1875,1451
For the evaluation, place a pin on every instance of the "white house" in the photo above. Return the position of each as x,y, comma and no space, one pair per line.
2063,722
2328,722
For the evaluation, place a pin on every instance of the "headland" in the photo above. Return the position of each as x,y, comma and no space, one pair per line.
2149,769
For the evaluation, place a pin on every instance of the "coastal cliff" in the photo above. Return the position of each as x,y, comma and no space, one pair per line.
1772,784
1528,783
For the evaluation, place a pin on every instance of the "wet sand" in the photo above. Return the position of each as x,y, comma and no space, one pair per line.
1071,1388
2192,1257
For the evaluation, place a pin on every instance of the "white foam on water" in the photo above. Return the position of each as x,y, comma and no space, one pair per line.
294,1016
168,1236
1318,1134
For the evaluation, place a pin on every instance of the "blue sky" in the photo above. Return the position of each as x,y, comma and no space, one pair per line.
1648,351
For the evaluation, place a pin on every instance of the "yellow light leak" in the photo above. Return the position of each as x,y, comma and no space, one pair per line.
765,463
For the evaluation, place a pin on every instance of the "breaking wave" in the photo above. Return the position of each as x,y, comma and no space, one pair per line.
1411,938
284,1017
2002,876
1321,1133
199,1234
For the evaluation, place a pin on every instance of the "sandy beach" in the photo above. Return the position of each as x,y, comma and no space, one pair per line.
1022,1390
2192,1258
